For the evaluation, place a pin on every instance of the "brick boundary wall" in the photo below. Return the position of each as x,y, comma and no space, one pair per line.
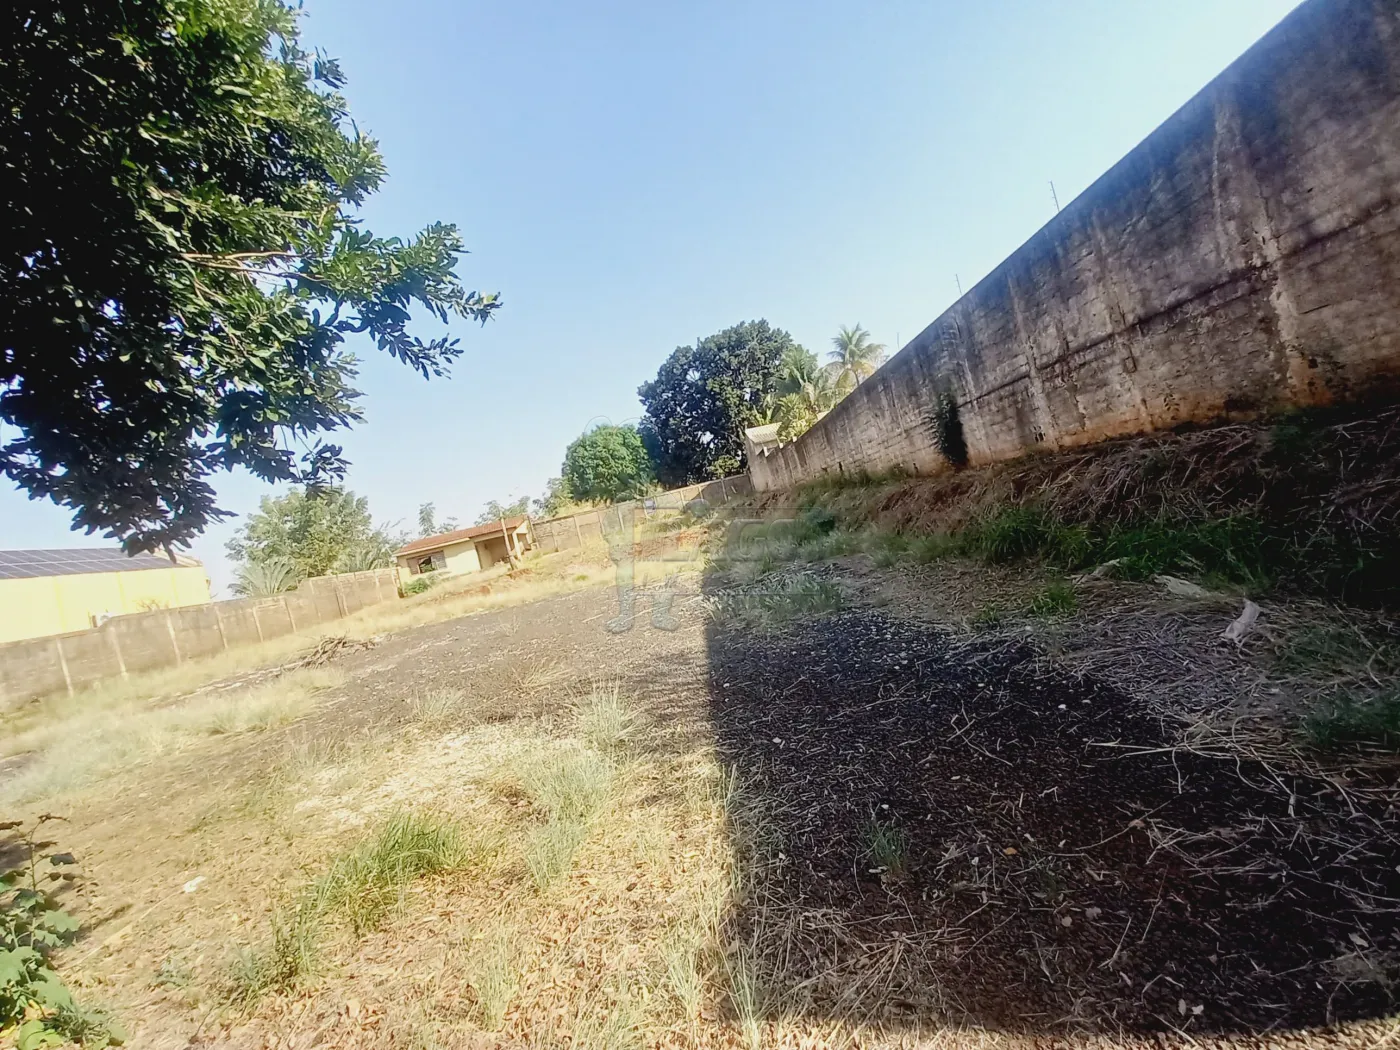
575,530
1243,259
64,663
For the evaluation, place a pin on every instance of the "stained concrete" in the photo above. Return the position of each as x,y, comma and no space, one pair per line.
1243,259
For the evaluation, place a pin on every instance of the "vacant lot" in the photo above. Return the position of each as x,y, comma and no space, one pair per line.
834,804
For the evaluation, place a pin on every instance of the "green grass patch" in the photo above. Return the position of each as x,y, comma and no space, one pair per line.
779,601
366,884
987,618
1349,723
886,849
1234,551
1054,599
363,887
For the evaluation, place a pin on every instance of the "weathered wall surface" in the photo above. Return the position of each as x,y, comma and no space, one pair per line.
566,533
1244,258
124,645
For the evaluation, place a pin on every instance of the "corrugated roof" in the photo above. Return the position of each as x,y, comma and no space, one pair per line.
446,539
19,565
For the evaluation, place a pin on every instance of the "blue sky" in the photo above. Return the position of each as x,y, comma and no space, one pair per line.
633,176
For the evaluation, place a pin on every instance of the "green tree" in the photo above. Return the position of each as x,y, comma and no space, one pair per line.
262,579
428,525
854,358
557,500
703,398
805,392
319,532
182,260
495,510
607,464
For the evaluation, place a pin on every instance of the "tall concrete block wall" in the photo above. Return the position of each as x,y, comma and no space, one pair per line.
1243,259
125,645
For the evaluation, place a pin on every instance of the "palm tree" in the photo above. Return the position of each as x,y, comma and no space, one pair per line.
263,579
854,359
805,392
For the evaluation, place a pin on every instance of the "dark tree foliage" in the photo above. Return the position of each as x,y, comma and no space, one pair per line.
705,395
181,262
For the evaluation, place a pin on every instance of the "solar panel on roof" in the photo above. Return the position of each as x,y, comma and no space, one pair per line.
26,564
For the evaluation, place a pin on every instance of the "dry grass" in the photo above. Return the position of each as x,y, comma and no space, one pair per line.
78,745
545,577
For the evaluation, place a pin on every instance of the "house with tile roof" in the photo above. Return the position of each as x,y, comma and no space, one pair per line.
466,550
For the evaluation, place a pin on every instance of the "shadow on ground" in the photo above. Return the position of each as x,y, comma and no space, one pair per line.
937,829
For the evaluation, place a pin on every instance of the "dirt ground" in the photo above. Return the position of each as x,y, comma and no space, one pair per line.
927,833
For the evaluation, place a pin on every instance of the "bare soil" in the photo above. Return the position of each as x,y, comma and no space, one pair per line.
1073,867
1067,861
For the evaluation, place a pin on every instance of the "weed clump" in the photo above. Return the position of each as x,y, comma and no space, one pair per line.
362,886
1349,723
1055,599
887,850
777,602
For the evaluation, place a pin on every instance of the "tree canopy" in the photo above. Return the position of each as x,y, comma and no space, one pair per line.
319,533
183,263
854,358
607,464
705,395
805,391
495,510
428,523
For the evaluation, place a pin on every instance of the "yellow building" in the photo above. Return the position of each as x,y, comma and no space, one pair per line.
465,550
56,591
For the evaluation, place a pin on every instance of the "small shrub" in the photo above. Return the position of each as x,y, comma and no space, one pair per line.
1346,722
817,521
948,429
35,1007
424,582
1056,599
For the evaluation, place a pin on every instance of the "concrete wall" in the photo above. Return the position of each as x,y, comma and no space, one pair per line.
39,605
168,637
576,530
1244,258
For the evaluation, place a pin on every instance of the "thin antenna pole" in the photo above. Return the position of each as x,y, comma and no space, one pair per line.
958,281
1055,197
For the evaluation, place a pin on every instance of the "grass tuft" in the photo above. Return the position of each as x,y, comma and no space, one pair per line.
549,852
604,721
887,848
1055,599
440,709
778,601
287,960
366,884
495,979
